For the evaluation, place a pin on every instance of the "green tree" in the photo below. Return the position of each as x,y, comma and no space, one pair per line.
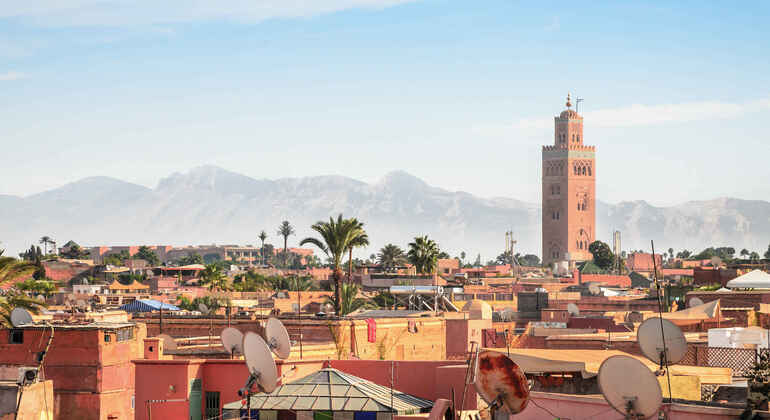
767,253
423,253
754,256
213,277
336,237
350,302
118,259
671,253
684,254
12,270
285,229
147,254
390,257
37,287
74,251
462,258
359,242
190,258
262,236
528,260
603,256
745,253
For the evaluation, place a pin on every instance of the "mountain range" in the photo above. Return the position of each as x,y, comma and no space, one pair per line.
212,205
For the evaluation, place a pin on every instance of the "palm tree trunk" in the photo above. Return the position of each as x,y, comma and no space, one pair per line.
337,275
350,266
285,251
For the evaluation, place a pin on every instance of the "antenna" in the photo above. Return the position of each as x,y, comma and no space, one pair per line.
168,341
260,363
639,398
650,337
573,309
277,338
501,383
696,301
20,317
577,104
203,308
232,340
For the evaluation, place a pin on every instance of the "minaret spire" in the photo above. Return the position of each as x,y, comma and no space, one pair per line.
569,104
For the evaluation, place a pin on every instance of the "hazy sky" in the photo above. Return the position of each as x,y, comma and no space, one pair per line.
459,93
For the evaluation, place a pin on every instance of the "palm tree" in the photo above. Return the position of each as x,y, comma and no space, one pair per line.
423,253
14,299
462,258
213,276
12,269
45,240
262,236
350,300
359,242
391,256
336,237
285,229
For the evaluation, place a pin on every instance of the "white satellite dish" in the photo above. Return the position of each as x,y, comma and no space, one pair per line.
695,302
168,341
594,290
232,340
639,398
20,317
650,338
203,308
501,383
260,362
277,338
573,309
507,314
716,261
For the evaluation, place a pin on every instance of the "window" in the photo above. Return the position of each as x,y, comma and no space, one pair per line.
16,337
584,170
125,334
578,138
573,138
589,171
107,338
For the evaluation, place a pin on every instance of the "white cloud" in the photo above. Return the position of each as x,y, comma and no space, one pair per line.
644,115
11,75
146,12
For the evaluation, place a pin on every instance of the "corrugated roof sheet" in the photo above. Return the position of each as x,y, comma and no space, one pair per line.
331,389
147,305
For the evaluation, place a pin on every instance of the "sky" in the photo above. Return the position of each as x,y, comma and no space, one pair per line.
461,94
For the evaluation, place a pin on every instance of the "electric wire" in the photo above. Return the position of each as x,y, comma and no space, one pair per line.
547,410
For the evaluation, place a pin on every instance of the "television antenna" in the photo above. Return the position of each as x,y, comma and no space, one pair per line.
696,301
501,383
232,340
168,341
573,309
20,316
640,398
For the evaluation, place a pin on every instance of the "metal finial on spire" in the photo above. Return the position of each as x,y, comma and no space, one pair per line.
569,104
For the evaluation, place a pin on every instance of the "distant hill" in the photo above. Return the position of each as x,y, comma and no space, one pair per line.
212,205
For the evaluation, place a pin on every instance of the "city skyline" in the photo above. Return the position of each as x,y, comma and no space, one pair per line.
274,91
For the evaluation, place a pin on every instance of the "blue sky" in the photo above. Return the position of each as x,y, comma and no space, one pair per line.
461,94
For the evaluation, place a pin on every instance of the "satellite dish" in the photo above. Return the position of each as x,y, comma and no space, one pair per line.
715,261
594,290
650,341
81,303
203,308
277,338
507,314
501,383
232,340
695,302
260,362
573,309
40,297
20,317
638,398
168,341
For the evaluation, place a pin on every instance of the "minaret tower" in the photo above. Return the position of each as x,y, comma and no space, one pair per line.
569,191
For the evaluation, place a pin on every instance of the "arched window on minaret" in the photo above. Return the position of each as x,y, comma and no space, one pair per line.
584,170
589,170
578,138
